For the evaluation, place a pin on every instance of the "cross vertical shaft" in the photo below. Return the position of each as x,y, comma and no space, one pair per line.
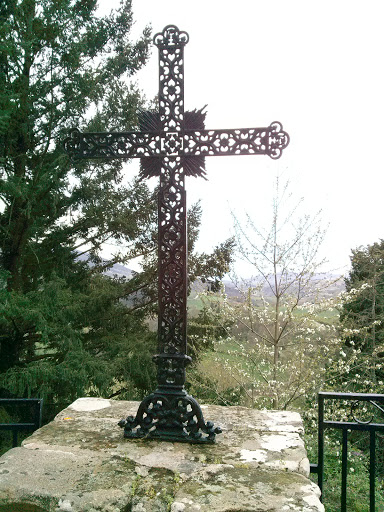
172,217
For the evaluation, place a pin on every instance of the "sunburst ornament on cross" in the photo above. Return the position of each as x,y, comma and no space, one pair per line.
173,144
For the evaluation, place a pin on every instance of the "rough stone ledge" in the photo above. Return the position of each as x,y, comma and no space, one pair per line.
81,463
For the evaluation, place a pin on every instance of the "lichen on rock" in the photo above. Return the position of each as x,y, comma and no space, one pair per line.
80,463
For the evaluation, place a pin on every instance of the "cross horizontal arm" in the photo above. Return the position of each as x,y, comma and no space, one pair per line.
112,145
242,141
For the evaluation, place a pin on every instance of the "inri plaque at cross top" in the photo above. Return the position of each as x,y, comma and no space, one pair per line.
173,144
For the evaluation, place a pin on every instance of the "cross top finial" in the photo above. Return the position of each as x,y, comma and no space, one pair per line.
170,36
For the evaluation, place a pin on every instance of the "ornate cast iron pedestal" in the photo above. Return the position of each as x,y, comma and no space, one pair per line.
173,144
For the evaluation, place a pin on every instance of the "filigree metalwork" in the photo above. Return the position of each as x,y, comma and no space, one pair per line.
170,418
172,258
170,37
173,144
242,141
356,409
113,145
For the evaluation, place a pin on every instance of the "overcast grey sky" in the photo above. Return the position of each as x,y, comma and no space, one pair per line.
315,66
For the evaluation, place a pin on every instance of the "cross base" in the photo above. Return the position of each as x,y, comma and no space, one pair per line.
170,416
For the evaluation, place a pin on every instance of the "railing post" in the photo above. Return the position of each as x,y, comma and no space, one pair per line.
38,413
344,470
372,471
14,438
320,444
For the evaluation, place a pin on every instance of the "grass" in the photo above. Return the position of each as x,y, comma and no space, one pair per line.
357,476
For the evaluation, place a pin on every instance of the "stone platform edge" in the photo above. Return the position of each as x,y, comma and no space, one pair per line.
80,463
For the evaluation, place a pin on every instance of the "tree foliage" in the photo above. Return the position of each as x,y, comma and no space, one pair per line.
67,328
362,319
366,309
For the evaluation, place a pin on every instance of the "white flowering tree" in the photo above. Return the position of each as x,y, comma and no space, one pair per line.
284,332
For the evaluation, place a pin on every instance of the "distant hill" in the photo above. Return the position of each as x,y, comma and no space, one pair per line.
332,290
233,292
117,270
337,286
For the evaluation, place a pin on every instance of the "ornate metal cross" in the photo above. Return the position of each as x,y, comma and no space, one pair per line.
173,144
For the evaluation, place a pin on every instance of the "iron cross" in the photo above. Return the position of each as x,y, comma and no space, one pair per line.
173,144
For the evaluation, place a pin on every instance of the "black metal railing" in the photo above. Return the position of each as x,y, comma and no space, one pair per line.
34,408
369,425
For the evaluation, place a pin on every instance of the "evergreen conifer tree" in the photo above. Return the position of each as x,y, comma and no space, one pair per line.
67,328
362,317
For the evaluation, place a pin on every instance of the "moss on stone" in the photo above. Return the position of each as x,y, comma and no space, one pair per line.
78,461
22,507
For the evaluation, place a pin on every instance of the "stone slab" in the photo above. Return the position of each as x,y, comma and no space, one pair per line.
81,463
